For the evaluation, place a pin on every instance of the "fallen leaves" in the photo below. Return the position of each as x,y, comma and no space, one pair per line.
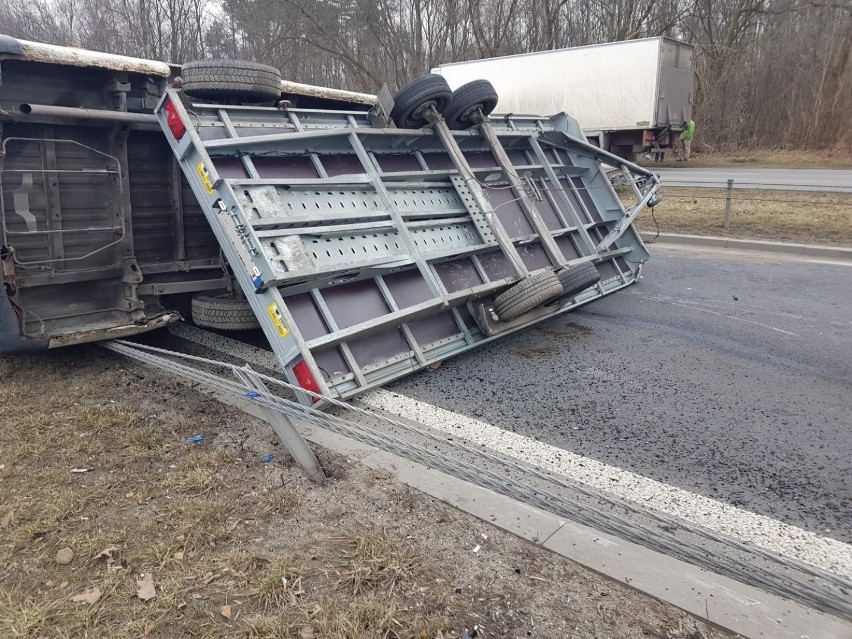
146,589
225,611
89,596
106,554
112,557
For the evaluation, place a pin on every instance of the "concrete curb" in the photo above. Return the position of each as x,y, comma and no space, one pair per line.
805,250
737,607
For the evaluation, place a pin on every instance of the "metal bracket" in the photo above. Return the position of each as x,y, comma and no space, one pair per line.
484,316
379,114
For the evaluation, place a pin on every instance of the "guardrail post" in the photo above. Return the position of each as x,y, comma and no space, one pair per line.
284,428
728,196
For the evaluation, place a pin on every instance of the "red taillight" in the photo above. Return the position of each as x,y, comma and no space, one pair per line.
305,378
648,136
173,120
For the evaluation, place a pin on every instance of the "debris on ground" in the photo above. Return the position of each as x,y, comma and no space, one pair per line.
146,589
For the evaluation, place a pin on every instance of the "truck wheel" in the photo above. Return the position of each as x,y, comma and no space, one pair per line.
223,312
576,279
231,79
409,102
479,94
530,292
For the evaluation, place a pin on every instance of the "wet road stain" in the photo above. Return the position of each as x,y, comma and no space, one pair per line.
566,330
535,352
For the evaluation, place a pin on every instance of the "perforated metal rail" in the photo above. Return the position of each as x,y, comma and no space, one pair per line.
368,253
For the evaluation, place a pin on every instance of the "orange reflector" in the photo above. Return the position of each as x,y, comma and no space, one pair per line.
305,378
173,120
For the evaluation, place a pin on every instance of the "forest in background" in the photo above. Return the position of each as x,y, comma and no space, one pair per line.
769,73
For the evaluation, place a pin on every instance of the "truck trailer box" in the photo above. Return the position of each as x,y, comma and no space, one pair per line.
623,94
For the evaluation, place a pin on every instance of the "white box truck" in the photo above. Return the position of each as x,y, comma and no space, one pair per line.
628,97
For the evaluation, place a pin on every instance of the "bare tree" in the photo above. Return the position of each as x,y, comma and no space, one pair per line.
768,72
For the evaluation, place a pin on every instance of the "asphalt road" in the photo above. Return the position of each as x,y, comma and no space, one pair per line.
729,376
833,180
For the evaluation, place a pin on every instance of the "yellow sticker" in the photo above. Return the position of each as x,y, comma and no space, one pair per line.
205,176
275,314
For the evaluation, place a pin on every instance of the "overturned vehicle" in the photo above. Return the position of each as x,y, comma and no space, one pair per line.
368,237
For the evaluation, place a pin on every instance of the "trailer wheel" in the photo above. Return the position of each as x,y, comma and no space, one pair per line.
576,279
409,102
479,94
223,312
231,79
530,292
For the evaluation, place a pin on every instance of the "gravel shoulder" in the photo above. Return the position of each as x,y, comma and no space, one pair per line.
114,524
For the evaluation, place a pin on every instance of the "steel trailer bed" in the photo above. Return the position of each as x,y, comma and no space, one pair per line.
369,251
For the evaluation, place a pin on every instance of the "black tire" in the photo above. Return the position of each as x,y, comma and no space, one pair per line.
479,94
231,79
530,292
223,312
576,279
410,100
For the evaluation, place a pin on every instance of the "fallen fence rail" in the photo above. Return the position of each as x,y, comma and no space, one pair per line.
795,580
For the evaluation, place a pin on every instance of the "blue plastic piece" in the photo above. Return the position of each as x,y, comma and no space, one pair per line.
252,394
258,281
196,439
267,459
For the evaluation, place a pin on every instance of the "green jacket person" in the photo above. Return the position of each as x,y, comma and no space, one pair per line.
686,139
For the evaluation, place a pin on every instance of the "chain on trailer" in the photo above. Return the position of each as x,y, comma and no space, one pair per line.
787,578
369,252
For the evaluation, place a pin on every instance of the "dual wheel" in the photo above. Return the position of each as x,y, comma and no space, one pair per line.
460,108
546,287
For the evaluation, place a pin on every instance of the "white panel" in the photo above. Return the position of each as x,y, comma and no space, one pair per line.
605,87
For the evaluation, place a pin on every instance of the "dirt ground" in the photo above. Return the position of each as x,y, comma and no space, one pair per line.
840,158
787,216
114,524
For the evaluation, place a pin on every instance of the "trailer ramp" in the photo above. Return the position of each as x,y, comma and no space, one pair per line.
370,252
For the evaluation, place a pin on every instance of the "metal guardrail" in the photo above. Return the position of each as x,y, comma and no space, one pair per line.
785,577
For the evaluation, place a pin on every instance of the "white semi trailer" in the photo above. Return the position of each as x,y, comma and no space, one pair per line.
628,97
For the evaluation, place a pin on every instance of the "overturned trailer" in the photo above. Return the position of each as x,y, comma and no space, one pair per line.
368,239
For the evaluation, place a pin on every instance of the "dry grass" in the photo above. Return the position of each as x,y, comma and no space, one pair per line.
830,159
275,582
190,515
372,561
788,216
